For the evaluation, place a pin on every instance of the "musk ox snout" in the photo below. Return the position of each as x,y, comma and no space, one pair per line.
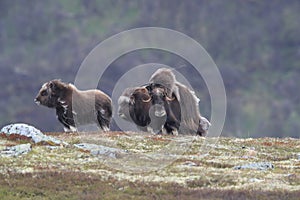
37,101
159,110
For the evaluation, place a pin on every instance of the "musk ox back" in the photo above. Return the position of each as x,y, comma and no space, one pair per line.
165,78
75,107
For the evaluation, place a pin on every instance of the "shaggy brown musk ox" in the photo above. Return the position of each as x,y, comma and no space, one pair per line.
73,105
191,121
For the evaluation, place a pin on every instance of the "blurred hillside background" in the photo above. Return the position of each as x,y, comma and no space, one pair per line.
255,44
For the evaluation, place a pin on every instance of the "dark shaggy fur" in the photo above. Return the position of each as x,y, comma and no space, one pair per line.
73,105
139,107
191,120
165,106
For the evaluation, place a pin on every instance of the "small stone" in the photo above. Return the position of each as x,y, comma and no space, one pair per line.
95,150
190,164
255,180
16,150
256,166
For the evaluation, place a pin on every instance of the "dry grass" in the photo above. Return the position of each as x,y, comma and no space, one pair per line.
68,173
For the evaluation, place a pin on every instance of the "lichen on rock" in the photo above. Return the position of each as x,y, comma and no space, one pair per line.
20,131
16,150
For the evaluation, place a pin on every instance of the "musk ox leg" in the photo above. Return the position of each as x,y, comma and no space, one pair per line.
172,124
66,120
203,127
104,121
142,128
171,129
71,129
149,129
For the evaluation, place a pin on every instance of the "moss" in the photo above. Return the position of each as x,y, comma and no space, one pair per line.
160,167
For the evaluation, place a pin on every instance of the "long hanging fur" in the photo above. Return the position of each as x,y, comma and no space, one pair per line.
191,120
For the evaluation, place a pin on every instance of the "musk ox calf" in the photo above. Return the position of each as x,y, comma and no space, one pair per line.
191,121
75,107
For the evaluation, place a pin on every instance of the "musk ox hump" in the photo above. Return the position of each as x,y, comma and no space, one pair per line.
167,79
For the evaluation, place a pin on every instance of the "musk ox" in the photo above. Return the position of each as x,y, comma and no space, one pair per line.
142,113
73,105
150,111
135,105
191,120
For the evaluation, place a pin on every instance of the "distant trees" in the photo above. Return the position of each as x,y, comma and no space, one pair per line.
254,43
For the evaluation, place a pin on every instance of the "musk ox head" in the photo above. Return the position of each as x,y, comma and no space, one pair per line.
140,96
50,92
164,107
139,105
159,99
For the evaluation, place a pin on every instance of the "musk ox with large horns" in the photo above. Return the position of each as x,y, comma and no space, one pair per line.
191,120
136,105
164,106
76,107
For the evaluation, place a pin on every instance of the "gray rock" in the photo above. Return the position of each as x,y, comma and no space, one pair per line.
16,150
256,166
25,131
255,180
95,149
190,164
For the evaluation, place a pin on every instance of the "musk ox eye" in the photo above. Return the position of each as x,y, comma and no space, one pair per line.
44,93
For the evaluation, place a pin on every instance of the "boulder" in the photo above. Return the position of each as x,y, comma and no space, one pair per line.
21,131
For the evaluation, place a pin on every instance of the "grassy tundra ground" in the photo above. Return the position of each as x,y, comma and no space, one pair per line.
153,167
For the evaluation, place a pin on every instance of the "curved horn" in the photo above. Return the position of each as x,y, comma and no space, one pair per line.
170,99
147,100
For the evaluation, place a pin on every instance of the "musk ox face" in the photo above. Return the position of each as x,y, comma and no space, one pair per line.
139,105
165,107
150,106
158,100
48,94
140,96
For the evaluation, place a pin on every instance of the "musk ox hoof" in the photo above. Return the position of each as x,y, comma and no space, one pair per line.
205,124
